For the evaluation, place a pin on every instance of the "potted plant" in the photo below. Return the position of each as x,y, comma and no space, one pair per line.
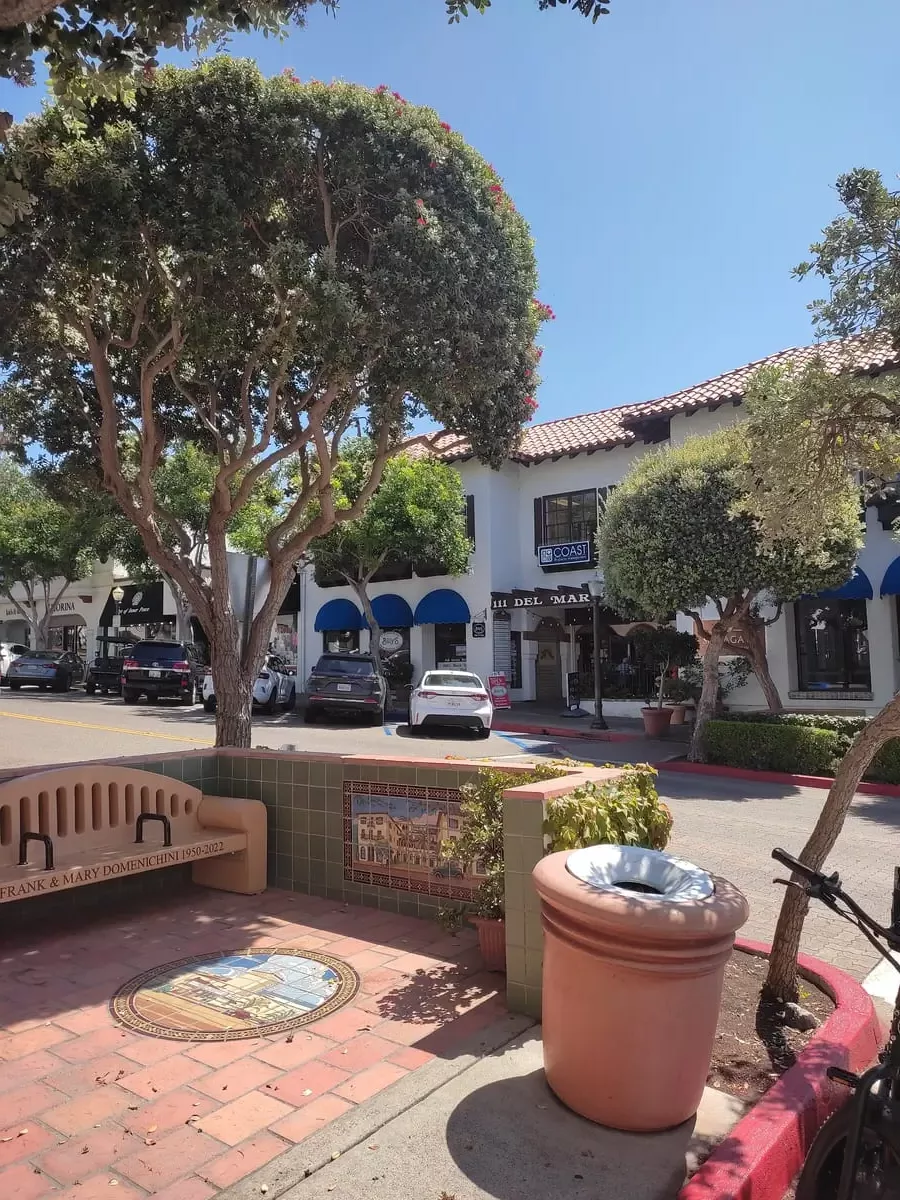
479,851
662,649
678,694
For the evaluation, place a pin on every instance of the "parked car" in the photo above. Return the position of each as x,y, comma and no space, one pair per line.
54,670
348,682
451,698
275,684
104,674
9,651
160,670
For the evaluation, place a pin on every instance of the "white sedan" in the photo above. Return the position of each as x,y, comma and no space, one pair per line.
275,685
451,698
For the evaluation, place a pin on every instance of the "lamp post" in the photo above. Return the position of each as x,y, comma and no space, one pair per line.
595,587
118,595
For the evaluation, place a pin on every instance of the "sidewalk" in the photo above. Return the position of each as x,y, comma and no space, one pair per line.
492,1131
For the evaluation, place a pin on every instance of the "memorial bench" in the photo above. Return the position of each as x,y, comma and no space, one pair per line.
83,824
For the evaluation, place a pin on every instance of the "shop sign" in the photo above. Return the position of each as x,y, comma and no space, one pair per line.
12,613
567,554
499,691
479,629
537,599
390,641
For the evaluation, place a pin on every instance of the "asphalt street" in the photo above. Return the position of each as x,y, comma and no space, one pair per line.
724,825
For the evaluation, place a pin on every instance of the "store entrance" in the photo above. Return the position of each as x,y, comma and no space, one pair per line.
547,669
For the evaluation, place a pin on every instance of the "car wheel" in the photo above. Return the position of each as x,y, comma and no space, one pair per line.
14,685
129,695
310,716
45,687
378,718
91,688
190,696
209,704
484,731
291,701
271,705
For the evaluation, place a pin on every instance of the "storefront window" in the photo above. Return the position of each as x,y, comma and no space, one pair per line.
68,637
832,645
571,517
335,641
450,645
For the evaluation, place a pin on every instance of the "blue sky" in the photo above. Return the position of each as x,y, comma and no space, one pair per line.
674,160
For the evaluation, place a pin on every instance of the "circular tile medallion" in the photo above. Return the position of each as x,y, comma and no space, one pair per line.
236,994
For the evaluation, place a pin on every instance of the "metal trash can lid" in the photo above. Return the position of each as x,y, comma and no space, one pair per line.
645,874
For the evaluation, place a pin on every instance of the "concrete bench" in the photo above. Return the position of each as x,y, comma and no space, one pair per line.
88,823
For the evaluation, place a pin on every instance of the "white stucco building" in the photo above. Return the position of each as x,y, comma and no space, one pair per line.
523,608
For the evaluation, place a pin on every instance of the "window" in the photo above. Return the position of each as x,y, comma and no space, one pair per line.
336,640
570,517
832,645
470,519
450,645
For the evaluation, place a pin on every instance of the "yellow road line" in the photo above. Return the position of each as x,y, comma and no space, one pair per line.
168,737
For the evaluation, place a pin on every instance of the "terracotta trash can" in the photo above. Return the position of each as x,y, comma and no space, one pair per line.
635,947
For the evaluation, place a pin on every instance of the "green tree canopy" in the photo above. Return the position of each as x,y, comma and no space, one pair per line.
45,545
250,265
417,514
678,534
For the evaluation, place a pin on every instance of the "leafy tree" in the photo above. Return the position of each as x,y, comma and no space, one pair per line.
417,514
45,546
662,649
250,265
677,533
811,430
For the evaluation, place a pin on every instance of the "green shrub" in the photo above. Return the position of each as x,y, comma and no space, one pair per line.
773,746
624,812
846,728
885,767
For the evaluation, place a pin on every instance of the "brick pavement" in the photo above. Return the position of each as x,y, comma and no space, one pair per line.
86,1105
729,826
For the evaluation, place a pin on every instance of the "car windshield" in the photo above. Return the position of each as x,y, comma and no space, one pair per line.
158,652
44,655
449,679
344,666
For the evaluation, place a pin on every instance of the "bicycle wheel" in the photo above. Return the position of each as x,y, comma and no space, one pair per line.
879,1174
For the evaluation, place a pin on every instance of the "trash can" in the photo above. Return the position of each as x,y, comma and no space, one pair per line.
635,947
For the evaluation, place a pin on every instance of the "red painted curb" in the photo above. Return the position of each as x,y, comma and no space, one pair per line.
816,781
765,1150
501,725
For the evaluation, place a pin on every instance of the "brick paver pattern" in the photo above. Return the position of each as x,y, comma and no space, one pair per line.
88,1108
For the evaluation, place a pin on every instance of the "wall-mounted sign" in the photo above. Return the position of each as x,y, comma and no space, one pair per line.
538,598
479,629
389,640
568,554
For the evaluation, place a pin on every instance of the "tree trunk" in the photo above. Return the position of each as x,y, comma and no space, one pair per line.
234,691
709,694
781,982
359,586
754,631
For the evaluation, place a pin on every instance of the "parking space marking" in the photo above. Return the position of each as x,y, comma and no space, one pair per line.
167,737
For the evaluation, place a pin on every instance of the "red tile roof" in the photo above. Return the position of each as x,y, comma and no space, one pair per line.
622,426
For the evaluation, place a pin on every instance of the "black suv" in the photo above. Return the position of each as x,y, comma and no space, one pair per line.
345,683
163,669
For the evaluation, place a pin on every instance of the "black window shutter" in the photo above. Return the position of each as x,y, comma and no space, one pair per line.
538,523
470,519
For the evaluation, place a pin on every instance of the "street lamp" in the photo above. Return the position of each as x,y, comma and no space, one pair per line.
595,587
118,595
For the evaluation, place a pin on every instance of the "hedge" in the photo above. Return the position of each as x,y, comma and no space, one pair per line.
845,727
765,746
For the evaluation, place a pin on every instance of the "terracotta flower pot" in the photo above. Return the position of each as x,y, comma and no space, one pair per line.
656,721
678,712
492,942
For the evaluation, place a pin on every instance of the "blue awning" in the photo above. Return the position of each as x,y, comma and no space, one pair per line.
890,585
857,587
392,612
442,607
339,614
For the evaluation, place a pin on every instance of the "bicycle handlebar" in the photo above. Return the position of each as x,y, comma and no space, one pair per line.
795,865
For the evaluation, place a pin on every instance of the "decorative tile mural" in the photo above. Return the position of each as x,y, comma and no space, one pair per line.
394,834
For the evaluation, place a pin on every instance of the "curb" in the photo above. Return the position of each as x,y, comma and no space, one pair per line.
565,731
815,781
759,1159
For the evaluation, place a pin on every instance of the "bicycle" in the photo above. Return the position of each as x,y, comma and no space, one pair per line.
856,1153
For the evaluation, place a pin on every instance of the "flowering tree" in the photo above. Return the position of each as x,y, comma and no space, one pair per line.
251,265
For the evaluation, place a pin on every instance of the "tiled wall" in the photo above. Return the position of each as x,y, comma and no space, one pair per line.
304,798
